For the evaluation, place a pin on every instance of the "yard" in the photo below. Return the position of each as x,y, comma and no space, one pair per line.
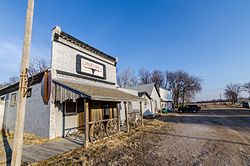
210,137
215,136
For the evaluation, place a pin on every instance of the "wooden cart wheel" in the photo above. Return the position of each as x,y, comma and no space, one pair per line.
97,131
132,120
111,127
139,121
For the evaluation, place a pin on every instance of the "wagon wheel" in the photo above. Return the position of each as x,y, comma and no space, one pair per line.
111,127
97,131
139,121
132,120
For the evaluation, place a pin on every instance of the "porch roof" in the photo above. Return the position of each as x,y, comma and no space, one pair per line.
96,93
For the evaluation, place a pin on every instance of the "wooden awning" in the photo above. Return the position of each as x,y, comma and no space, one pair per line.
65,90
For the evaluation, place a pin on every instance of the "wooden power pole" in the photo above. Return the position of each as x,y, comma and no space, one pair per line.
20,114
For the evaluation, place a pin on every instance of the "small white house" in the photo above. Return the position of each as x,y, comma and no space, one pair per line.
147,106
150,92
166,97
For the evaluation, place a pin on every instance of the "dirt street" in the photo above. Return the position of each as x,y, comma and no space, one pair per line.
212,137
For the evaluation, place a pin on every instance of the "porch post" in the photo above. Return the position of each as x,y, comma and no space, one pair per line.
118,117
141,113
126,115
86,116
64,110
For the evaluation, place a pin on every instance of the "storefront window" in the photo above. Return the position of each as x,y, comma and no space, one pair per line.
70,108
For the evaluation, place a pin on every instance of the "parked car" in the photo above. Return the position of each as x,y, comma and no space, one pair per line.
245,104
189,108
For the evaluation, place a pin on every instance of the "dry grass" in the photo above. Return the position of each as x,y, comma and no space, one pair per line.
6,142
113,150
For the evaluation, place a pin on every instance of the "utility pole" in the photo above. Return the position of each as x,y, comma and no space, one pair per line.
20,114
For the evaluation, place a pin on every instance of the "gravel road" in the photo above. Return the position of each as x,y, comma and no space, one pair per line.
212,137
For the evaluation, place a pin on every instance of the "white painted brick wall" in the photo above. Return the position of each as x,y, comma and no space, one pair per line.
36,115
64,59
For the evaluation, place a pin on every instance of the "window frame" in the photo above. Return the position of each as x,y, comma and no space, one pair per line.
2,98
29,93
65,108
13,100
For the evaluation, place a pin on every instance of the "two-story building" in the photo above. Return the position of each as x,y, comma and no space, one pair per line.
78,93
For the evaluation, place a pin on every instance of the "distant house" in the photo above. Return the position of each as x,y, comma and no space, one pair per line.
153,104
135,106
166,97
147,105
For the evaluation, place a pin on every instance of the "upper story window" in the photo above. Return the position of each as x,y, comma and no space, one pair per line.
29,92
13,99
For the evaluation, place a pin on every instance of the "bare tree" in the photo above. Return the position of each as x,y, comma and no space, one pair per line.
183,86
157,77
2,85
144,76
13,79
175,83
191,87
232,91
126,78
38,65
246,87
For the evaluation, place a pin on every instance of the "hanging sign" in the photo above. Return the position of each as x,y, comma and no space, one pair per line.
46,87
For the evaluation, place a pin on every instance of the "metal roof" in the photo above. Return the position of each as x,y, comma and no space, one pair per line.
145,88
97,93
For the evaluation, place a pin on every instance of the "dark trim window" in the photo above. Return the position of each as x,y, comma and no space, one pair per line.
13,99
2,98
29,92
70,108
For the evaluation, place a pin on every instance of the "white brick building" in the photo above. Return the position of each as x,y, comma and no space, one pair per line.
78,91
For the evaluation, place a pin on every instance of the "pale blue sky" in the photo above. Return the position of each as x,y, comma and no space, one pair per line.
208,38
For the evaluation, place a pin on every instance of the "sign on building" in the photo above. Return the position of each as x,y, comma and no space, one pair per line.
90,67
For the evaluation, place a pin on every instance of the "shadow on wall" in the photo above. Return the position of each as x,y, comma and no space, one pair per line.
7,148
147,113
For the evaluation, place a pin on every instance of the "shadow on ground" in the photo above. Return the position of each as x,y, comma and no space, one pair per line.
7,148
231,118
201,138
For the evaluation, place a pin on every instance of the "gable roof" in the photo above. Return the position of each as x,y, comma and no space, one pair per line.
140,94
145,88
